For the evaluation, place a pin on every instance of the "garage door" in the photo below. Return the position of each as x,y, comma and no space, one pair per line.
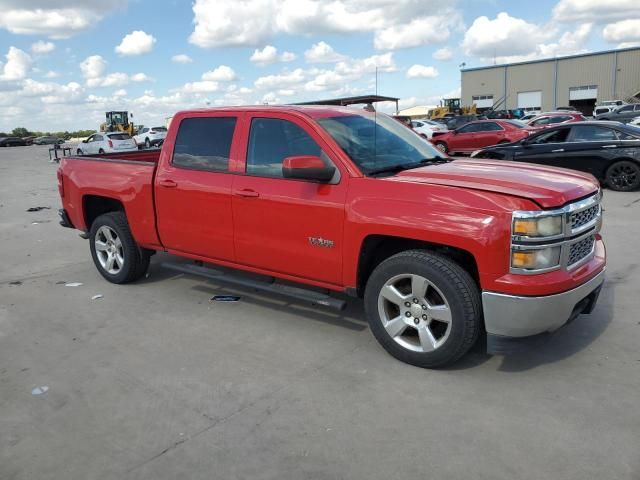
530,99
586,92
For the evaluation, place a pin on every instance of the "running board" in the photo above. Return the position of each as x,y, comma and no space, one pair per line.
303,294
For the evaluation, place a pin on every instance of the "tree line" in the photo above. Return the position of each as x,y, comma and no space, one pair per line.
24,132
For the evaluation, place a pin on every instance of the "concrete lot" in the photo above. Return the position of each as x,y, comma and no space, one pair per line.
155,382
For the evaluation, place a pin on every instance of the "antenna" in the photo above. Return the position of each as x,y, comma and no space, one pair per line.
375,126
376,80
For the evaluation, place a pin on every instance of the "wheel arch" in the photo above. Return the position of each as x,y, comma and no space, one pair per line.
95,205
376,248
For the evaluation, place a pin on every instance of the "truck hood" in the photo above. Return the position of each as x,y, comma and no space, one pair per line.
549,187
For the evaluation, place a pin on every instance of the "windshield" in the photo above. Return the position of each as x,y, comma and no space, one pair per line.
379,144
159,129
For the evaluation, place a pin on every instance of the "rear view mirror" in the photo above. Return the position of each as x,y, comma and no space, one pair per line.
307,167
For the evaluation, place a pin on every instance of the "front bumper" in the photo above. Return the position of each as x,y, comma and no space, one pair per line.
510,317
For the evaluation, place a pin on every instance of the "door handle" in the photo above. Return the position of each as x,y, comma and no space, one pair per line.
609,146
557,150
247,193
167,183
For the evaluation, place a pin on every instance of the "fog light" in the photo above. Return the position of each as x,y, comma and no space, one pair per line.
536,259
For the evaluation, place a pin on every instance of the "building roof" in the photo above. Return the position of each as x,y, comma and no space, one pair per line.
351,100
418,110
551,59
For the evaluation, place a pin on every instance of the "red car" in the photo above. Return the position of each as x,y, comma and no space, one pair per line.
480,134
353,202
553,118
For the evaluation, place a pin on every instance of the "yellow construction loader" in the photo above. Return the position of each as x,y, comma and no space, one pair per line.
118,122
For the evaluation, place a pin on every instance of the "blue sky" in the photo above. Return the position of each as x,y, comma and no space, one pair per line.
64,62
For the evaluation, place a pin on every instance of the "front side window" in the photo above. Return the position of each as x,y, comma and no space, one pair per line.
204,143
376,143
628,108
590,133
271,140
541,121
554,136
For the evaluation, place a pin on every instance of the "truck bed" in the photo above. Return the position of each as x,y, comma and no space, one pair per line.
125,177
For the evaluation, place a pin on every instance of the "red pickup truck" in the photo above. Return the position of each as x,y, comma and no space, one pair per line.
352,201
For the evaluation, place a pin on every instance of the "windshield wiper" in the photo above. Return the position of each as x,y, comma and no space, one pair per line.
408,166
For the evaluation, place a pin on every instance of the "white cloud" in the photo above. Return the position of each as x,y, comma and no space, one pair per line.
269,55
624,31
223,73
422,71
52,74
221,23
296,76
42,47
443,54
383,63
181,58
94,69
205,86
503,36
137,42
17,65
595,11
56,19
120,93
322,52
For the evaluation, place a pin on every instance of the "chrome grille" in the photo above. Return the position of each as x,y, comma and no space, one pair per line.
583,217
580,250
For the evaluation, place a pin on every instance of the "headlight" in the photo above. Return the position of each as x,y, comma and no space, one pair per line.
536,259
538,227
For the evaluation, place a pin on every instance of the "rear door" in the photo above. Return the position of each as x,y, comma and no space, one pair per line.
193,187
590,148
489,133
284,225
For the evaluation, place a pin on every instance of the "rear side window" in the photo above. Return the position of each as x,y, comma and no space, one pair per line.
590,133
204,143
271,141
492,126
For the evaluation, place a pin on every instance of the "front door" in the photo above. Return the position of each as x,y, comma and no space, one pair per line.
193,187
463,138
285,225
546,148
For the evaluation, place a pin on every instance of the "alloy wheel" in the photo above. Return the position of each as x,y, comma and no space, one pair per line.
415,313
109,250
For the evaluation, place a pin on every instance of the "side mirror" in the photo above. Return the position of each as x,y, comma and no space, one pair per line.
307,167
85,140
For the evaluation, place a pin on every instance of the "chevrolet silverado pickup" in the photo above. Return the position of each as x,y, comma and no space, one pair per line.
342,200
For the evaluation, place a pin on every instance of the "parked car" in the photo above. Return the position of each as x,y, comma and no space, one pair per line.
48,141
623,114
12,142
350,201
610,151
29,140
528,116
543,120
479,134
635,121
109,142
607,106
150,136
426,128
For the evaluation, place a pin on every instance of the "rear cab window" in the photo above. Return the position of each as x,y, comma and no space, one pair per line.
119,136
204,143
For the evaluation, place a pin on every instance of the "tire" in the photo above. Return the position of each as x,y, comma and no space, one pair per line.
449,313
110,238
79,152
147,143
623,176
442,147
101,152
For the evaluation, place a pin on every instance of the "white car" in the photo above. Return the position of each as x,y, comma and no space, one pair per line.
107,142
635,121
149,136
607,106
427,127
528,116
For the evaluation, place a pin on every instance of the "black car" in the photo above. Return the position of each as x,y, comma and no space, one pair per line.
12,142
610,151
48,141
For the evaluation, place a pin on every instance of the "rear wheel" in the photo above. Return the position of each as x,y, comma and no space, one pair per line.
442,147
115,253
101,151
423,308
79,152
147,143
623,176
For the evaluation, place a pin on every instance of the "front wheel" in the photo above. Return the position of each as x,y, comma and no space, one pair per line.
115,253
79,152
147,143
442,147
423,308
623,176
